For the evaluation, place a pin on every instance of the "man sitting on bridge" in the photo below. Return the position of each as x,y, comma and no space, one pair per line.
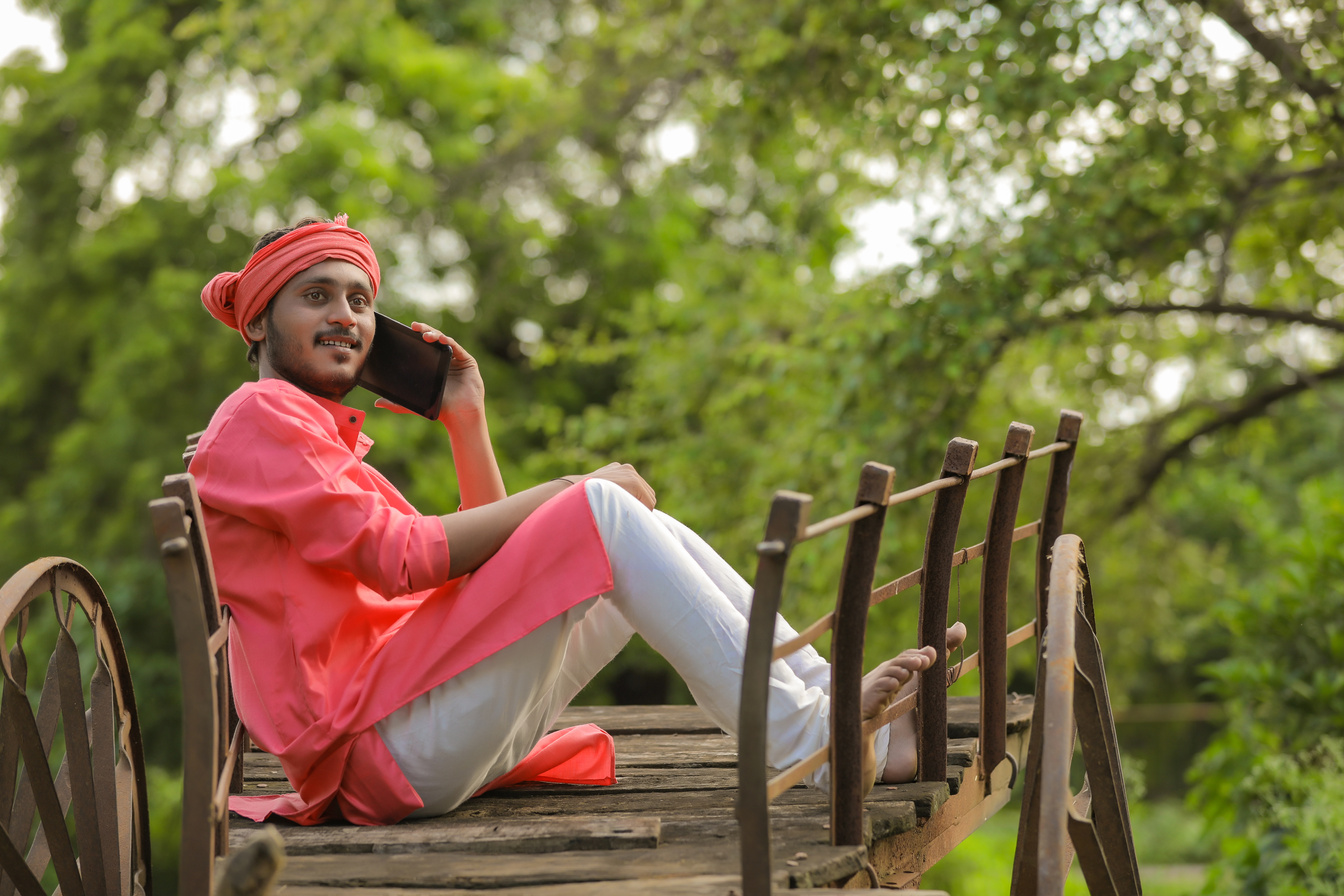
399,663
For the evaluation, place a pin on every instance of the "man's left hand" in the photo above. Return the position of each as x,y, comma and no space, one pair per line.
463,388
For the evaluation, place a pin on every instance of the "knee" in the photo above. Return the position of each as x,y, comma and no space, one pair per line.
606,492
612,506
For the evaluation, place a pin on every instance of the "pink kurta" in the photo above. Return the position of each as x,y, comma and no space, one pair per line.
342,608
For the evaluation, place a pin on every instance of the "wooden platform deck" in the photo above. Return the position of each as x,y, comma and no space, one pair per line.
666,827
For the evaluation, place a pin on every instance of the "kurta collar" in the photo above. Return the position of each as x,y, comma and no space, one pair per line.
349,422
349,425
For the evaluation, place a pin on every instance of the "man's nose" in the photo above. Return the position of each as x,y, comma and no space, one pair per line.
340,312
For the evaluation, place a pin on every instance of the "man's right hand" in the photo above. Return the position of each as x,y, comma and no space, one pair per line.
629,479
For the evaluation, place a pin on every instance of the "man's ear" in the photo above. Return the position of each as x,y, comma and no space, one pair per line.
255,329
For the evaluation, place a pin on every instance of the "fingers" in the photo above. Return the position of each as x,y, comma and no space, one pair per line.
431,334
627,478
391,406
461,357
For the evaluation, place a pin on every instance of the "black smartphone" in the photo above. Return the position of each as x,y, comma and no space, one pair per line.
404,368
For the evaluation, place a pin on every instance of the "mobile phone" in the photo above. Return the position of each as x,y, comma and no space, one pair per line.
403,367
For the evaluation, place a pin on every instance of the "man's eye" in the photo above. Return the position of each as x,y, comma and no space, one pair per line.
314,296
359,300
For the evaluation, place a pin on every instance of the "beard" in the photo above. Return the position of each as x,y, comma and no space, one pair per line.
288,359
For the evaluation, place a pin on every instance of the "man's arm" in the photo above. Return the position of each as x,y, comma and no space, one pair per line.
475,535
462,412
489,515
478,477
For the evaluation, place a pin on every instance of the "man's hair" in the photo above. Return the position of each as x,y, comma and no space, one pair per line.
254,350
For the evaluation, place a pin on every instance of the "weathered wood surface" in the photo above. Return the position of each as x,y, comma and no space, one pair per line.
666,827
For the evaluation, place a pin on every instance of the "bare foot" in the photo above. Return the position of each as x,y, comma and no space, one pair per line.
880,687
902,755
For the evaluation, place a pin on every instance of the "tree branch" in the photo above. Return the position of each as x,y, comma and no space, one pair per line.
1279,315
1278,51
1330,169
1151,470
1283,54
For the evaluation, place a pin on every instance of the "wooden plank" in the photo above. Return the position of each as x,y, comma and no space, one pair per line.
616,720
537,835
632,751
818,865
564,839
699,885
963,714
631,780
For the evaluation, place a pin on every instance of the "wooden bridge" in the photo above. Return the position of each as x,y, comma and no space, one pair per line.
666,826
693,812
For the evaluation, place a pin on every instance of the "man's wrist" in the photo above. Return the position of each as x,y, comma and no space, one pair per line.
463,422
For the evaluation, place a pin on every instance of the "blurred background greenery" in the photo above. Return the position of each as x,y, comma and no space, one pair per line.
748,246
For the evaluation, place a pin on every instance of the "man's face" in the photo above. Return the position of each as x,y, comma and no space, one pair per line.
318,329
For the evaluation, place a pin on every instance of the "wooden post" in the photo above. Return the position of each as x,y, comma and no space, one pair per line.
848,785
994,598
1057,738
939,545
1052,514
788,518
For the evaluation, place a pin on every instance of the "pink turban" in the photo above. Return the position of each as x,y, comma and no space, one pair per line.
236,297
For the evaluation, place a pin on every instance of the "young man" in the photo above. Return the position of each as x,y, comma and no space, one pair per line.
398,663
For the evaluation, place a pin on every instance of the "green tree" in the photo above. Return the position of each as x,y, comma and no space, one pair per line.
638,215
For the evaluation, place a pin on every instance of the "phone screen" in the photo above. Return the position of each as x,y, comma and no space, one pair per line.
404,368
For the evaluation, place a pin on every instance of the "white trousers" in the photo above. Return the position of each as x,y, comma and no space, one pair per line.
671,588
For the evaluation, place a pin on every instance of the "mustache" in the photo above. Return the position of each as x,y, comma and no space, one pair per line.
339,333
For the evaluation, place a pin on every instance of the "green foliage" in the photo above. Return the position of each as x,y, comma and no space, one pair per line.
1112,211
1289,840
1167,841
1273,776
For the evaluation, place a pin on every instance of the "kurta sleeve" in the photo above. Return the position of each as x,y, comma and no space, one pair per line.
280,464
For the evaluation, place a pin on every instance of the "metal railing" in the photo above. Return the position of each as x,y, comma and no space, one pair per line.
788,526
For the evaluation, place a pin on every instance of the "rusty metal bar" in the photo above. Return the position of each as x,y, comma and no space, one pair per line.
994,595
927,488
1052,514
1057,739
823,625
1119,864
891,713
48,717
788,518
49,810
795,773
849,784
9,748
896,586
853,515
939,545
16,871
11,853
84,798
998,465
104,737
219,637
1101,749
1025,855
220,804
805,637
915,577
1052,448
1086,841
